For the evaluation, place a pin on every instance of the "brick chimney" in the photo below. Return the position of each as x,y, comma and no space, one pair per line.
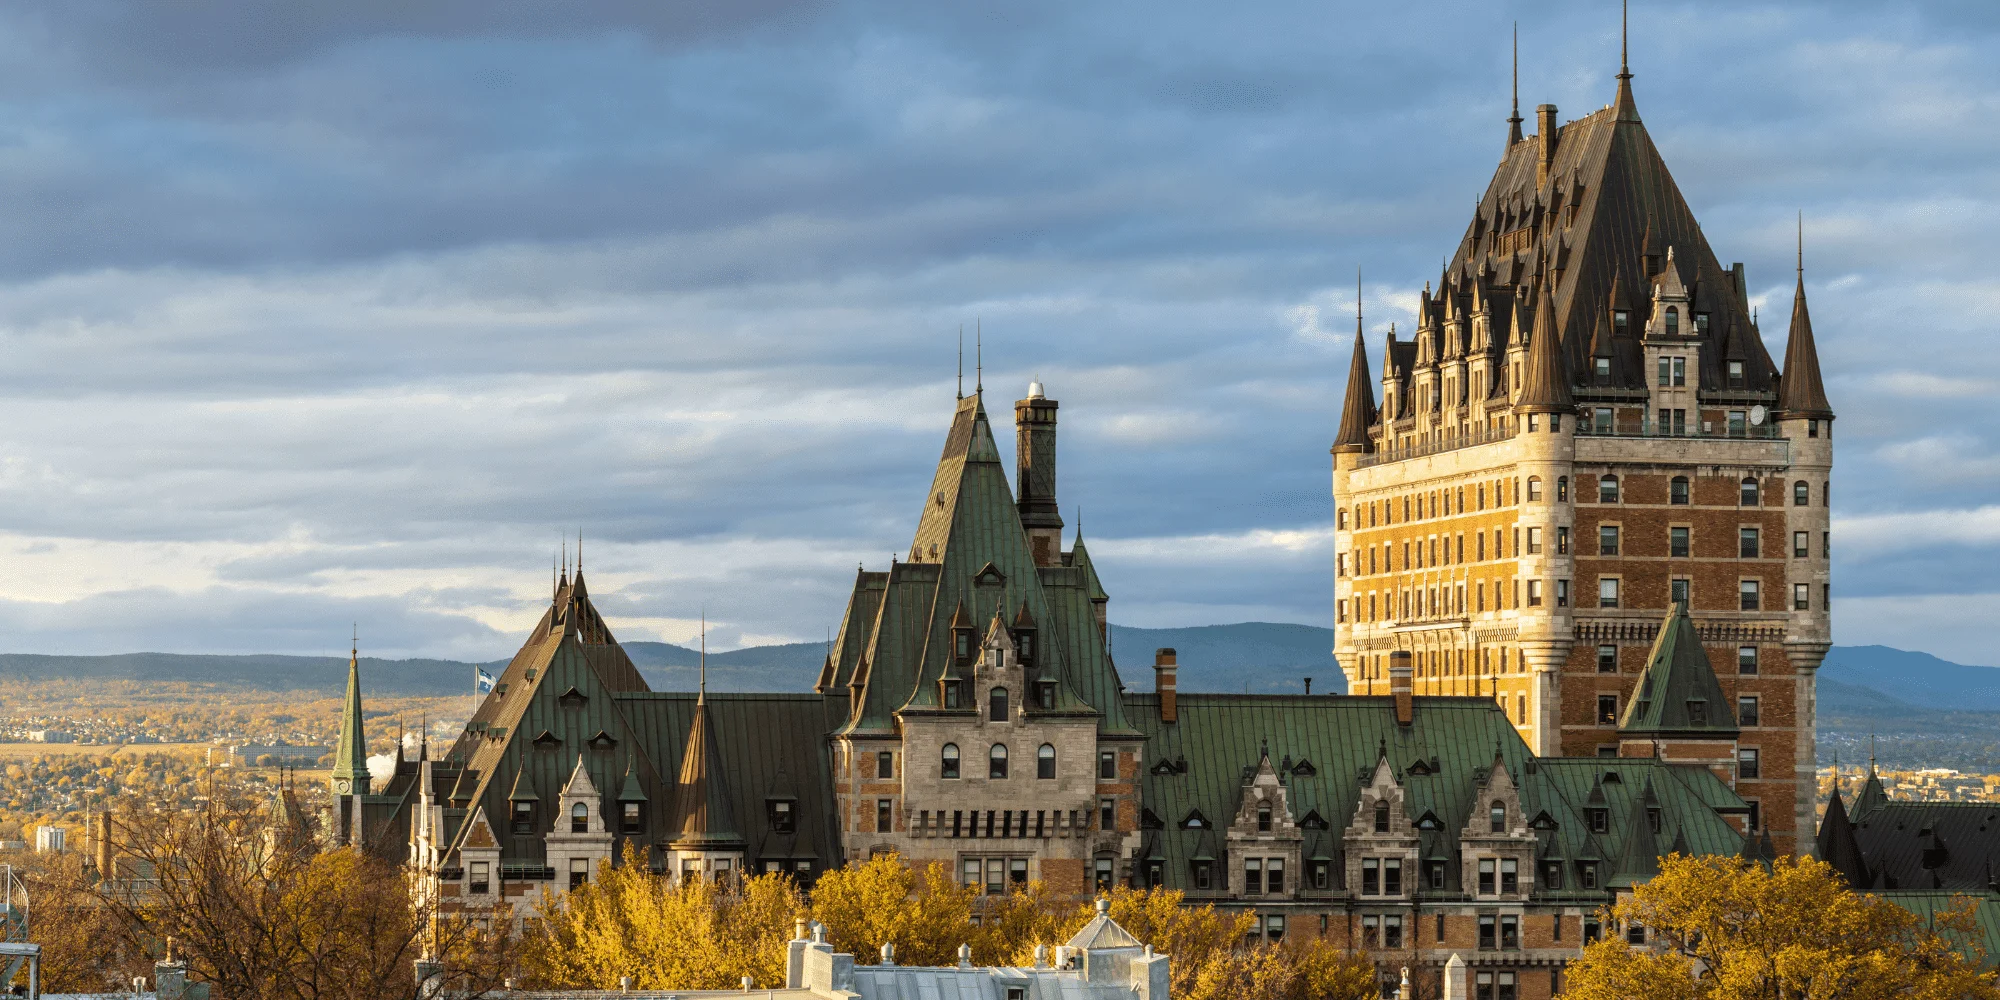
1545,125
101,843
1165,682
1399,684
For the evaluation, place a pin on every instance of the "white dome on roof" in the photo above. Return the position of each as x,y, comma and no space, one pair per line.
1035,389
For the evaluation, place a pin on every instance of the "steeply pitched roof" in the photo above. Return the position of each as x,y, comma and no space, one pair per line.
704,817
350,757
1838,847
1358,413
1801,393
1545,384
1678,692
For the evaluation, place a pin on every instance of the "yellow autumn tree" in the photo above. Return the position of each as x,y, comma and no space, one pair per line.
663,933
924,912
1731,929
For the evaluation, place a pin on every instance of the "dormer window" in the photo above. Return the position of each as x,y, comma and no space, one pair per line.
1620,320
1736,374
1497,821
524,817
1701,322
1603,371
951,696
1024,647
996,704
781,815
632,818
1264,818
1697,715
1673,321
579,818
962,644
1045,695
1600,820
1381,816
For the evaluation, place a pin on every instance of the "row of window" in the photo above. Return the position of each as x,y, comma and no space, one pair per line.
1003,824
1746,660
1436,503
996,762
1749,594
1680,542
1610,538
1439,503
997,876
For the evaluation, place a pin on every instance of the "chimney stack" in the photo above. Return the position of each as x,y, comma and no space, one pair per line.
1309,685
101,837
1164,681
1399,684
1545,127
1035,474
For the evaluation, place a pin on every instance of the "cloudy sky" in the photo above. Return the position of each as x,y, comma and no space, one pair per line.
324,313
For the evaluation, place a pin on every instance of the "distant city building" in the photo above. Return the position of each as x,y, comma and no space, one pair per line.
51,839
13,845
253,754
49,736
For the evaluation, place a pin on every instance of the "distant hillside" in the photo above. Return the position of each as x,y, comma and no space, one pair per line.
1916,678
1255,657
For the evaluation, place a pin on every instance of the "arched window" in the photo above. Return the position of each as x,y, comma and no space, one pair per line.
996,761
1801,494
1382,816
1607,489
996,704
1264,817
1673,321
1497,820
1045,762
579,818
1677,491
1749,498
1562,489
1534,489
948,761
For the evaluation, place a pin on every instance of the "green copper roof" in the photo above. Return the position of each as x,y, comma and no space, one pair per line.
971,552
350,758
1678,692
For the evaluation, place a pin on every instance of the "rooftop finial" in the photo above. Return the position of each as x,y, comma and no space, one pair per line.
961,361
1802,245
1624,36
702,694
978,357
1514,122
579,551
1357,301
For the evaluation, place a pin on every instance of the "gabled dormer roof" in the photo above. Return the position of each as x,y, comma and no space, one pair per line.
1678,692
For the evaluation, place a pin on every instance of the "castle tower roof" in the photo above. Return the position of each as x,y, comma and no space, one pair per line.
1358,413
350,757
1678,691
1801,393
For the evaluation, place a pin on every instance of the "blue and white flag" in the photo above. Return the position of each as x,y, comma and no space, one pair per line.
482,682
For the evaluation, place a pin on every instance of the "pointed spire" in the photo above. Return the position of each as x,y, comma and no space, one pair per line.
1545,385
350,759
701,694
1837,844
1358,413
1628,110
1514,123
978,357
961,362
704,818
1801,392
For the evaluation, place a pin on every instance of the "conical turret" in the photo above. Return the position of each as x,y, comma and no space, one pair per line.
1359,413
1544,385
1801,393
350,758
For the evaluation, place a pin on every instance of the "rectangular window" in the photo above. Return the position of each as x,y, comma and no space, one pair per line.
1589,873
1801,545
1480,545
1562,541
885,765
1678,591
1746,539
1392,877
1274,875
1392,931
1534,593
1746,659
884,818
1801,597
1562,593
1488,938
1746,763
1746,709
1677,542
481,880
1748,595
1510,876
1607,540
1736,374
1107,765
996,876
1202,879
1510,933
1508,989
1343,610
1604,413
1635,934
1680,372
1322,875
1607,591
1666,371
1552,878
1371,877
1607,709
1534,540
1737,424
1371,932
1253,876
1607,659
1107,814
1486,872
579,872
